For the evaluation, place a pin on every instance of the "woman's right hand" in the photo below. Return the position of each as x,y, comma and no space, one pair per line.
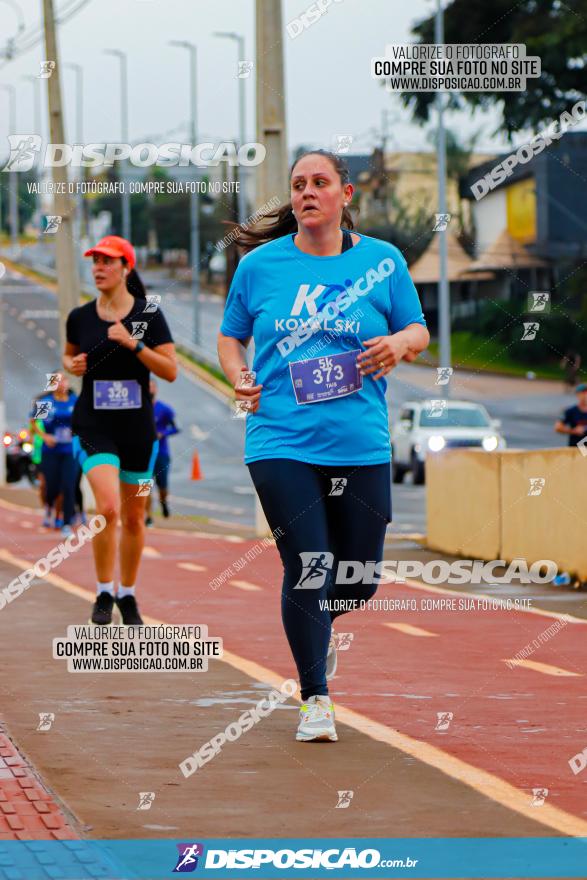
252,395
79,364
49,440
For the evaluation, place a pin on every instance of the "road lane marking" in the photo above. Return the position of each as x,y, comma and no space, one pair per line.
482,781
245,585
191,566
446,591
151,552
545,668
197,433
207,505
409,629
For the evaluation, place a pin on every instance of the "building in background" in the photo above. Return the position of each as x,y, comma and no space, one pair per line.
531,230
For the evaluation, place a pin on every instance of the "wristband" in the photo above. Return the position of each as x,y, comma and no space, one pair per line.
139,346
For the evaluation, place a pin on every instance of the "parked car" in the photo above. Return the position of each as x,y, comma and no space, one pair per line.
18,448
427,427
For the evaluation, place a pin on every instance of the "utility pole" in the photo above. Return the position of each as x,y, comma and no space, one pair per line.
118,53
67,275
385,115
37,127
79,112
272,174
194,195
240,41
443,288
13,175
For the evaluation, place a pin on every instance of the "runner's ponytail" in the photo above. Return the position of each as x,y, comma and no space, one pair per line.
135,286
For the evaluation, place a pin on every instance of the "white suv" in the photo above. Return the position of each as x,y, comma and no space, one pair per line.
426,427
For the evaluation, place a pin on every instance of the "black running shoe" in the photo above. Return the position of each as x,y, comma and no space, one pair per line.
102,610
165,509
129,610
149,522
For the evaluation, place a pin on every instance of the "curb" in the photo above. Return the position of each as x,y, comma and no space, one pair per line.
28,811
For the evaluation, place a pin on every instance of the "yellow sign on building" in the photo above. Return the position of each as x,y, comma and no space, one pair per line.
521,210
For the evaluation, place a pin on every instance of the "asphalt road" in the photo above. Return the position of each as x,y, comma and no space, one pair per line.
527,410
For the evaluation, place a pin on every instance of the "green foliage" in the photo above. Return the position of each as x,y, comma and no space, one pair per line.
502,323
26,201
554,30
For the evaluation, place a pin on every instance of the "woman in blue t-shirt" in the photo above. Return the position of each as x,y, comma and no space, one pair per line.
53,412
331,313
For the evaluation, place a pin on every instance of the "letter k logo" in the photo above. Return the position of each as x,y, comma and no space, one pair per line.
306,298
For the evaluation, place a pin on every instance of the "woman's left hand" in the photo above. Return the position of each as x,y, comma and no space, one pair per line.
382,355
119,333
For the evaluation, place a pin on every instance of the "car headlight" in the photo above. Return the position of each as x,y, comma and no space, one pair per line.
436,443
490,443
27,447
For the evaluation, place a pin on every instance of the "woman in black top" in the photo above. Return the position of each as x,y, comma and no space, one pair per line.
113,342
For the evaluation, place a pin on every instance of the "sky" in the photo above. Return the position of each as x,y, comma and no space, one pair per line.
328,85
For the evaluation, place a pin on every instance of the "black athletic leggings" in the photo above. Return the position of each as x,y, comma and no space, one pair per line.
319,514
60,469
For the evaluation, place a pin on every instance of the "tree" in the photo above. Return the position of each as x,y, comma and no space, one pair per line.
552,29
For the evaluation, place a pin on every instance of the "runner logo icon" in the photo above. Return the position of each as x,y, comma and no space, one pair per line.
23,150
315,567
138,329
338,484
187,861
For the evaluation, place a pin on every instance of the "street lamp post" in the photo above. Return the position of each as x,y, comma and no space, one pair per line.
443,288
37,126
118,53
79,91
240,41
13,182
10,42
194,196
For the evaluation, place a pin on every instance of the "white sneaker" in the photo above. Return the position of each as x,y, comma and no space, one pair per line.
317,720
331,659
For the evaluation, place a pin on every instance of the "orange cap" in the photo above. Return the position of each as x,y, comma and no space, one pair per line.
114,246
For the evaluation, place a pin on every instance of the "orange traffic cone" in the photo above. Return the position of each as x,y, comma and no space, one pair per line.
196,469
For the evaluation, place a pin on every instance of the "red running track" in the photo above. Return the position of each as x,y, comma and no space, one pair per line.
517,723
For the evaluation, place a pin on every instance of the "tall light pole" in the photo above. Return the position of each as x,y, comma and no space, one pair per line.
118,53
13,182
240,41
36,83
10,47
443,287
194,196
79,115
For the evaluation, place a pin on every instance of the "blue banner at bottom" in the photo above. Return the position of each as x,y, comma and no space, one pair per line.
527,857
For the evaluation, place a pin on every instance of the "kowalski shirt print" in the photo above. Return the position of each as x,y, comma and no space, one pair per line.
298,306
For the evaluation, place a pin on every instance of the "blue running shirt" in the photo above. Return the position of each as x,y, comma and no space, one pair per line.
298,306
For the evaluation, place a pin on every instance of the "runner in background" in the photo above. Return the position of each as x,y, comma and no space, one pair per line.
57,460
166,427
35,429
573,420
331,314
114,342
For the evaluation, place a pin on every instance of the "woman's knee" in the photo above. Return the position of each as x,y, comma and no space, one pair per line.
109,508
133,521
